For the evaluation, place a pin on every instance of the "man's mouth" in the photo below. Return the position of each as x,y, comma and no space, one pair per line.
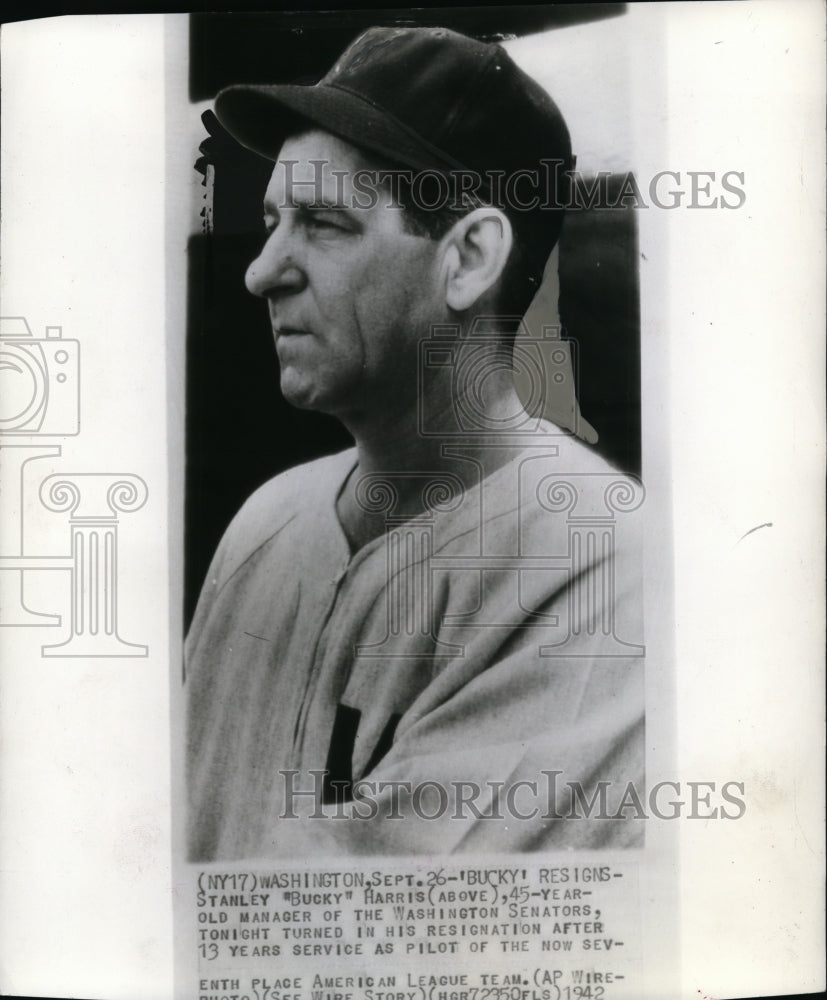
291,331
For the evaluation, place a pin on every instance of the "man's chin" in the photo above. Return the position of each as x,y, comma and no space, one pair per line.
303,395
300,399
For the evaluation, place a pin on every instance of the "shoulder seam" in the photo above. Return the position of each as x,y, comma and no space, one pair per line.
252,553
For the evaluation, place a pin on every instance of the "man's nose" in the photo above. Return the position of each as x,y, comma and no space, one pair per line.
275,270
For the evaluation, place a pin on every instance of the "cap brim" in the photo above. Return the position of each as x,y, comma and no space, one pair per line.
261,117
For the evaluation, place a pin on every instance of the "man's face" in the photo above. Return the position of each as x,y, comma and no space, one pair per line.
350,292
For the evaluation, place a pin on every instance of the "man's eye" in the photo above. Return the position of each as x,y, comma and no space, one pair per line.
321,222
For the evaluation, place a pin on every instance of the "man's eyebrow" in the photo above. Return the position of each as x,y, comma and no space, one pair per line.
319,205
307,200
307,204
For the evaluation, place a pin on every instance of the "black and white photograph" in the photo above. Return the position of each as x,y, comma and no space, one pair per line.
436,631
412,455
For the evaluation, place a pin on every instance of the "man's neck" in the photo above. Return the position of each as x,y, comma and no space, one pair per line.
424,442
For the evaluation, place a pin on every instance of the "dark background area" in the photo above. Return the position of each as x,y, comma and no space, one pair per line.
240,431
300,46
20,10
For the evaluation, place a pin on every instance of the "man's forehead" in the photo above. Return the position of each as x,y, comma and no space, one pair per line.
316,154
318,169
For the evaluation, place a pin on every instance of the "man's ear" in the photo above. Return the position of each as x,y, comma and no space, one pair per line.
476,249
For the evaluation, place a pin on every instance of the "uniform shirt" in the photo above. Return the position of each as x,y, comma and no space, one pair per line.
493,643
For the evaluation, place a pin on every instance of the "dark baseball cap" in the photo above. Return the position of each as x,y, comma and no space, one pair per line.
427,99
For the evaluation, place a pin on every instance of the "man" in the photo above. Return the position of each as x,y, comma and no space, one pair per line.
429,642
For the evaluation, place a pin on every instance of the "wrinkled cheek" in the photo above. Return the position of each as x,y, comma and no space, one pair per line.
390,313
